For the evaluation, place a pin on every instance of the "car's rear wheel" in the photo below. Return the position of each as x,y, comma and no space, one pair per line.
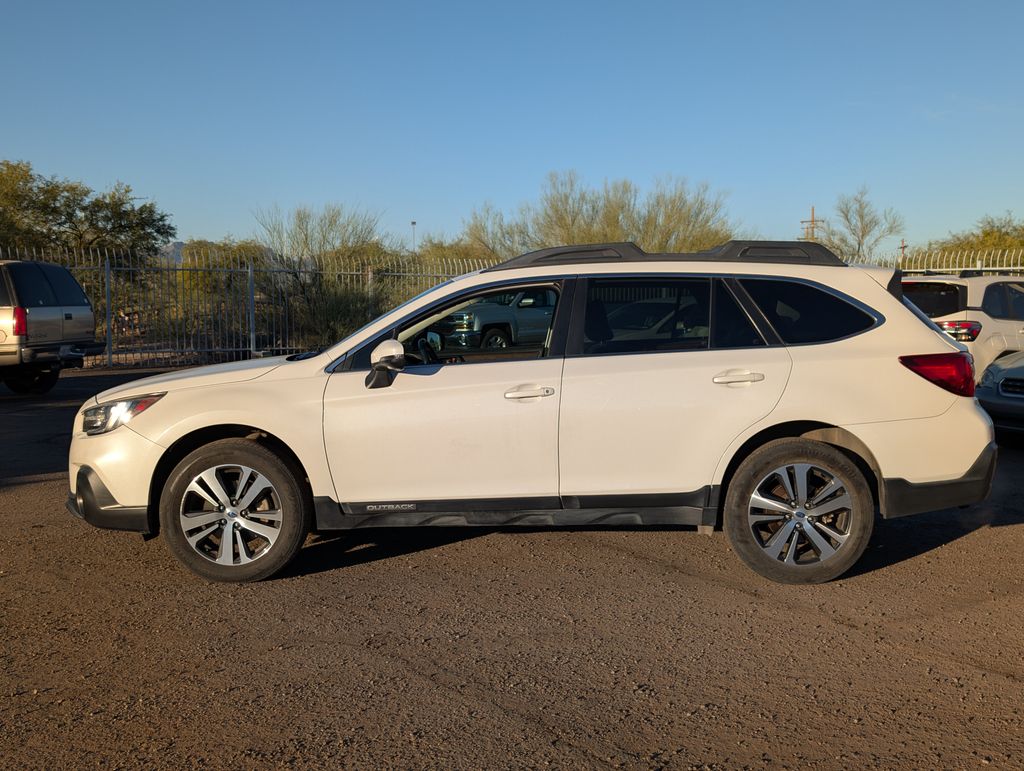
37,383
799,512
234,511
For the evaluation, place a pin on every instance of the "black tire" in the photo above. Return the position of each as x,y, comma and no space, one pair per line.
495,338
37,383
803,529
291,500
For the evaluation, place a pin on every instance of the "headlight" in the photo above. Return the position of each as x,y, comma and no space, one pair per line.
109,415
988,380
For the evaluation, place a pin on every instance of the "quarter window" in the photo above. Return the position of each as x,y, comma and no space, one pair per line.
805,314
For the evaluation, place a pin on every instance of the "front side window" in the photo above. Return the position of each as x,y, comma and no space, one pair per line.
802,314
643,315
495,325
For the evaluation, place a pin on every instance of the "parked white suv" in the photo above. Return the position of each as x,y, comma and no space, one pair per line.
984,312
789,398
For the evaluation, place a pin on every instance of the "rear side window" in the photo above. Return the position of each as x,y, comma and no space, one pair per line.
643,315
936,298
994,303
805,314
31,286
64,285
5,295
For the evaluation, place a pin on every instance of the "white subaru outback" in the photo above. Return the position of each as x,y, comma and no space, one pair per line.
775,390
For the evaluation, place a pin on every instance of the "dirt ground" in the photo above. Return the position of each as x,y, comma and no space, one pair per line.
482,648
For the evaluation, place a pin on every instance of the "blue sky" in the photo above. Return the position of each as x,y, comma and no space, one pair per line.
426,110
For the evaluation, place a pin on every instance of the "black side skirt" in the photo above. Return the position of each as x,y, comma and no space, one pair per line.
699,507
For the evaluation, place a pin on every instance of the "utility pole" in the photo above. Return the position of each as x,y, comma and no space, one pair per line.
413,223
810,227
903,249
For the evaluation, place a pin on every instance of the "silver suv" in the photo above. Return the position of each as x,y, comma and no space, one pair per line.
46,324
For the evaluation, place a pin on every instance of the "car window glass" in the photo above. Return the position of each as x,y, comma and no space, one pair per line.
801,313
730,326
31,286
5,295
934,297
493,326
64,285
994,302
1015,299
644,315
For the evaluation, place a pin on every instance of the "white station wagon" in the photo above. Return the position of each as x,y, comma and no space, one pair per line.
781,394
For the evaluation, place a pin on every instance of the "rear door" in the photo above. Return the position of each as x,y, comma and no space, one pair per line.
652,412
36,296
78,324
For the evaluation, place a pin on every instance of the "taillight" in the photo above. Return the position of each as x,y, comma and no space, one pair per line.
952,371
20,322
961,331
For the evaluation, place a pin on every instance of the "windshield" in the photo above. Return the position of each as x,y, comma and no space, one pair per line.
397,308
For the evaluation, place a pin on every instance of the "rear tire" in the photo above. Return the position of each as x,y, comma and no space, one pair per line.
37,383
264,515
799,512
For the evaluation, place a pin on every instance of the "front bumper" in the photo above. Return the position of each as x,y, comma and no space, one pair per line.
93,502
1007,412
901,498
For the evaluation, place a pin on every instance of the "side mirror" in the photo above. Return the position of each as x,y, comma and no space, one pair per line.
387,359
388,356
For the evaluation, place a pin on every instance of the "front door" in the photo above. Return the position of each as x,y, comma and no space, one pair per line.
473,431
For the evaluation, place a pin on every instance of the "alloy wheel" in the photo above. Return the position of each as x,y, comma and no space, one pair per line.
801,514
231,514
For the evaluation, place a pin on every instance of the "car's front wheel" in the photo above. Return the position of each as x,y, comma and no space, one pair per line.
234,511
799,512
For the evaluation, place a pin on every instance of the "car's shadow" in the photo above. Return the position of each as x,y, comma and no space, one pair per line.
894,541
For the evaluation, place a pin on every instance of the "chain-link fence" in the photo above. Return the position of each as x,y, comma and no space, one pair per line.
210,306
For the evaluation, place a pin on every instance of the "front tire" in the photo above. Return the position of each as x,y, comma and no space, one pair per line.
799,512
495,338
234,511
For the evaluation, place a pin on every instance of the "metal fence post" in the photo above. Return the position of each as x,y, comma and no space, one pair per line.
110,326
369,294
252,311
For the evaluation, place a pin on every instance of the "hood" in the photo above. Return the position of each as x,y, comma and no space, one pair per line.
217,374
1011,364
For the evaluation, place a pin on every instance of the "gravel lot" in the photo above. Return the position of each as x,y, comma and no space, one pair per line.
480,648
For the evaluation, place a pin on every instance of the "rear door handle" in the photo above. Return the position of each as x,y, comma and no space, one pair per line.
529,392
67,317
734,376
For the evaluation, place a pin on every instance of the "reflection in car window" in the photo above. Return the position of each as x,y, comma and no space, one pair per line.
500,325
730,327
640,315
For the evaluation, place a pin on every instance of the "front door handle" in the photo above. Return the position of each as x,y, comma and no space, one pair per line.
529,392
67,317
737,376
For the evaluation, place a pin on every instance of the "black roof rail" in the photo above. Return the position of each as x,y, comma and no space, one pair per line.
760,252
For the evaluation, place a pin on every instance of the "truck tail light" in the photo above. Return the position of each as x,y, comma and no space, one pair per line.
961,331
952,371
20,322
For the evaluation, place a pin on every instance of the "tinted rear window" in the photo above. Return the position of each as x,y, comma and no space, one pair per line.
64,285
5,296
31,286
805,314
936,298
